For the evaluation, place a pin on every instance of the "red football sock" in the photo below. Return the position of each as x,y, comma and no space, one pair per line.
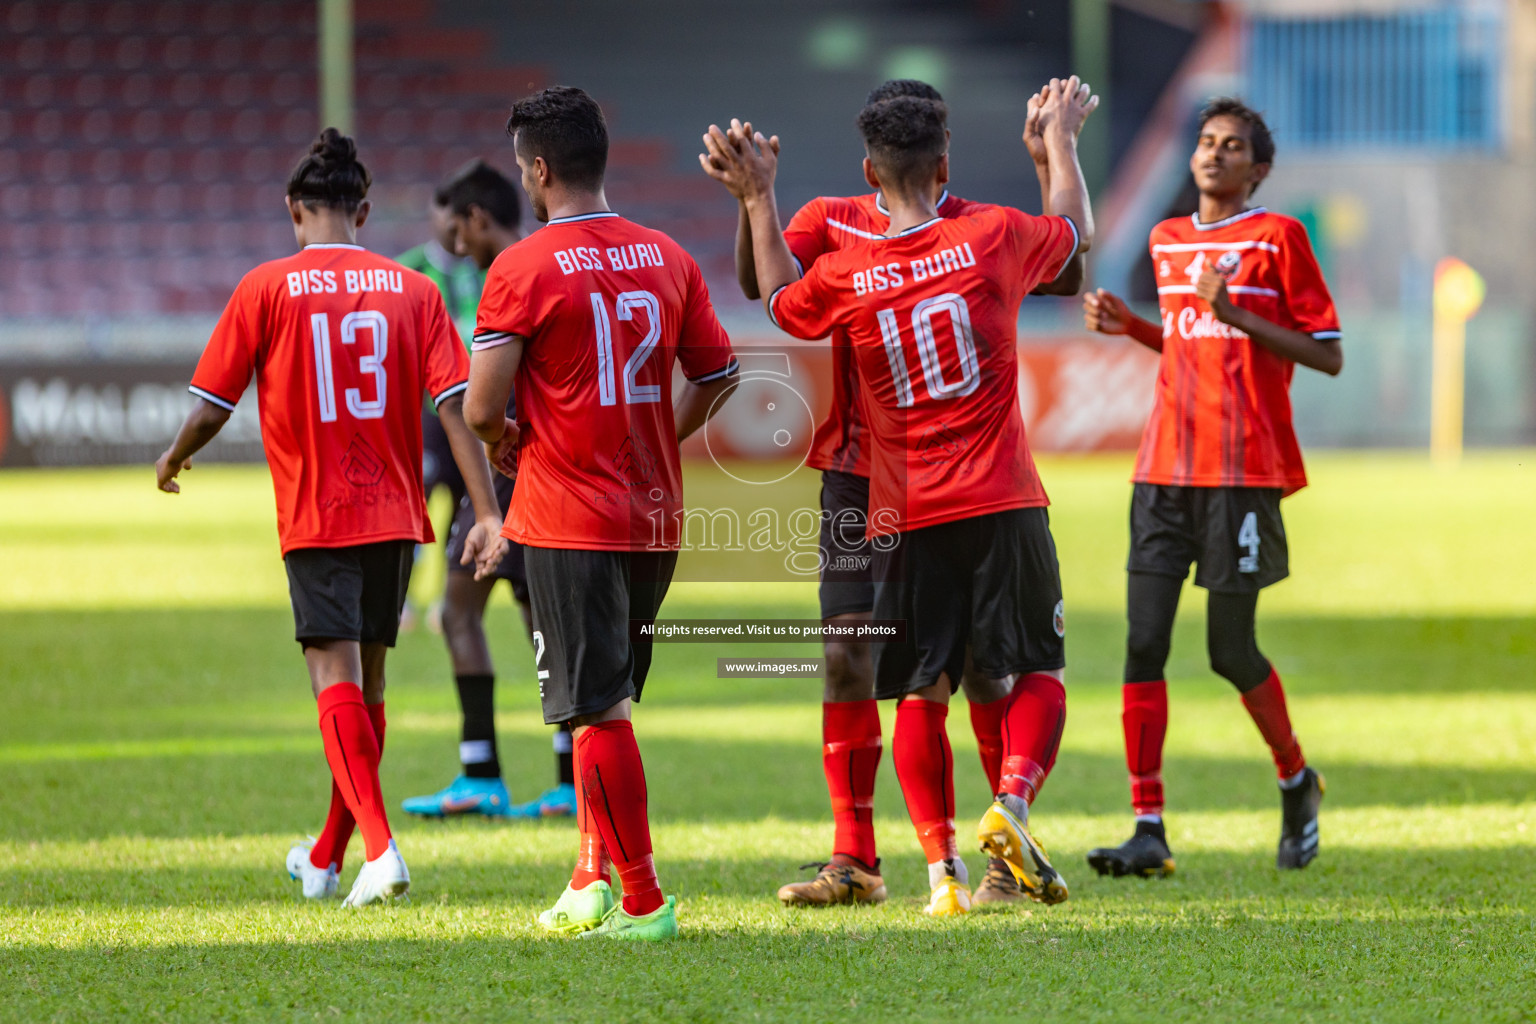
331,847
926,770
1037,712
1266,704
353,754
592,855
609,763
987,723
850,755
1144,719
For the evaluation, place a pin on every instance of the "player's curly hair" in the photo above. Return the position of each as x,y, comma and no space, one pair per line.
330,174
1259,138
565,126
894,87
477,183
904,136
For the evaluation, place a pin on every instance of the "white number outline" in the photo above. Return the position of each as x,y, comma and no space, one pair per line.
325,378
626,304
938,389
374,321
635,393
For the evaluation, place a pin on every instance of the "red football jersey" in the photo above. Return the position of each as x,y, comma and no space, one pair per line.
604,307
826,225
931,316
342,343
1222,414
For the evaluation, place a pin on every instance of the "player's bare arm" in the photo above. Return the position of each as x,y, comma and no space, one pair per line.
696,404
484,546
1066,105
202,424
1107,313
1297,346
1070,280
746,269
491,373
747,167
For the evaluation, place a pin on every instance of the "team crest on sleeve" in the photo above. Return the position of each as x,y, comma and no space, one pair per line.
1059,619
1229,262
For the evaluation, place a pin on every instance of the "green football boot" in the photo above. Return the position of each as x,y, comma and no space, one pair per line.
578,910
659,924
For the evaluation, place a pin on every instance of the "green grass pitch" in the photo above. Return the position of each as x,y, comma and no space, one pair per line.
158,754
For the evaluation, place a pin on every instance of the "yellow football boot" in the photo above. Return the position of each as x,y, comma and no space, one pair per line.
949,899
1003,835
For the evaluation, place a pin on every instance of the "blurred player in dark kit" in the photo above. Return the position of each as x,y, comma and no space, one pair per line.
484,217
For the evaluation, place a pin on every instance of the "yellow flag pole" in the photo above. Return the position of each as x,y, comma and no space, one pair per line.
1458,294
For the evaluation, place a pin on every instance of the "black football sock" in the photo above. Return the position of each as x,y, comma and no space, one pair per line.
477,739
565,767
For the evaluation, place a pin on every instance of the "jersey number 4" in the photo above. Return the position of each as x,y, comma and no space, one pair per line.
954,306
377,326
625,305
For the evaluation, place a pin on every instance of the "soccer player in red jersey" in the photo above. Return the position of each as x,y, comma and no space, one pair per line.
342,343
963,551
851,740
484,214
585,318
1243,302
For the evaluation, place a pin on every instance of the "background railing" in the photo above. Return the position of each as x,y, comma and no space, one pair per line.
1426,78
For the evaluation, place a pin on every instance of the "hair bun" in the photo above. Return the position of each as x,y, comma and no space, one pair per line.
334,147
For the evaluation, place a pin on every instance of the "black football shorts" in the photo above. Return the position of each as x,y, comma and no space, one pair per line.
351,593
511,568
990,582
847,585
1234,535
587,654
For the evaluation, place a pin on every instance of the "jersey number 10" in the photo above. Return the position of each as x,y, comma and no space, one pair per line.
923,313
325,381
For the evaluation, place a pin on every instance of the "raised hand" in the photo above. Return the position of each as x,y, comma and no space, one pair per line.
1106,313
1066,104
743,160
1034,136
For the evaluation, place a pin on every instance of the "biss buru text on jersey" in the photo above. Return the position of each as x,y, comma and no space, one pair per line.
354,282
924,268
617,258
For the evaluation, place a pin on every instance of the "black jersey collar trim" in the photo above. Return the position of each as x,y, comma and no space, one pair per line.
880,202
914,229
601,214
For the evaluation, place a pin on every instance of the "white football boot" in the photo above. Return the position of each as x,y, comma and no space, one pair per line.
383,878
318,883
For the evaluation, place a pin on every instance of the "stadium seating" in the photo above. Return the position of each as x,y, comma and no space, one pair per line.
143,143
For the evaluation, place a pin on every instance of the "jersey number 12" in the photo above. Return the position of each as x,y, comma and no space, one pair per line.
626,304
